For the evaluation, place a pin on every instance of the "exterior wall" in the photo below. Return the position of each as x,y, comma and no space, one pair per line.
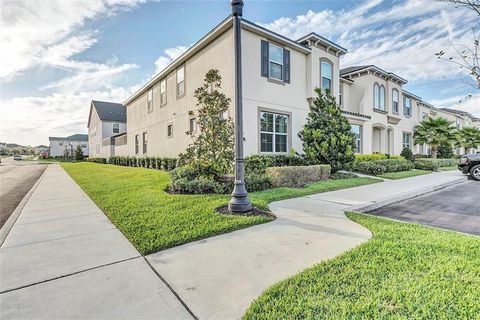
57,147
313,70
98,131
216,55
260,93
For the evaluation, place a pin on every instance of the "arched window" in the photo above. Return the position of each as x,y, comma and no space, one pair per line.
382,98
395,100
326,75
376,96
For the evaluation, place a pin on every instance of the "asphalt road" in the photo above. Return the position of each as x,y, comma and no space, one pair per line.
16,178
453,208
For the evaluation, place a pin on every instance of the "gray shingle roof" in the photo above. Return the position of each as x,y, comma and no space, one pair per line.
73,137
109,111
353,69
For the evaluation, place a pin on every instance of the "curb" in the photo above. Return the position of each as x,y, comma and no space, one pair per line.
5,230
404,196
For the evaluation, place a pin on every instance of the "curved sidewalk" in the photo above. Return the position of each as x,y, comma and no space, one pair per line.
219,277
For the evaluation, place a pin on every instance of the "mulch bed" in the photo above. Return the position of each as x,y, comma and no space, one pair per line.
254,212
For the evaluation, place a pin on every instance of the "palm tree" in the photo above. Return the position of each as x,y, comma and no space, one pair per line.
469,138
434,132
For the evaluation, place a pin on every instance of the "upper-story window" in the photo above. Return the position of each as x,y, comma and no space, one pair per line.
180,81
163,92
395,101
407,107
275,62
424,115
379,97
340,95
116,128
457,122
326,75
150,99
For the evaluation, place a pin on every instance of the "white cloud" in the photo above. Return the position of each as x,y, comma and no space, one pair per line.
469,103
40,32
170,54
401,38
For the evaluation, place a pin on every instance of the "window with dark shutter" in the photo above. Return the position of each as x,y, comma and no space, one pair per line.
265,60
286,65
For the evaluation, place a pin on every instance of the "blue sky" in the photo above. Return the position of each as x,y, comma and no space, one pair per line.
62,53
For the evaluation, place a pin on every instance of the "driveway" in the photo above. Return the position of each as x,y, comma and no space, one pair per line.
16,178
454,208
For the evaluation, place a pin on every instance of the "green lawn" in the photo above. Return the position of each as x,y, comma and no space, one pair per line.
405,271
403,174
135,201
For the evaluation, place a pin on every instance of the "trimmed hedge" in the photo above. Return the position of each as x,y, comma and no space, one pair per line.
97,160
259,163
434,164
378,167
159,163
297,176
375,156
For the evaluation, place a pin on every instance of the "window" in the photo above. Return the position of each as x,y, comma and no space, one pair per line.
145,137
326,75
273,132
395,101
382,98
170,130
457,122
275,62
181,81
407,140
424,115
60,143
116,128
340,95
193,125
150,99
83,145
137,142
379,97
163,92
357,131
407,107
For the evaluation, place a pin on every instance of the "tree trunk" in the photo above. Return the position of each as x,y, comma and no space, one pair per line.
434,152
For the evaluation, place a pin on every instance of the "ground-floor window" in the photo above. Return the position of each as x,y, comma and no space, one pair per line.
145,137
273,132
137,142
357,131
407,140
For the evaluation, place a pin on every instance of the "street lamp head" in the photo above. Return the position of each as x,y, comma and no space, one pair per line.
237,7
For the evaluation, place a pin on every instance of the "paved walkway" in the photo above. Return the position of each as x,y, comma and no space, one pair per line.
63,259
219,277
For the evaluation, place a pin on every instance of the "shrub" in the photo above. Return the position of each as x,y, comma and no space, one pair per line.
445,151
79,153
297,176
434,164
97,160
259,163
343,175
256,182
370,157
378,167
407,154
196,186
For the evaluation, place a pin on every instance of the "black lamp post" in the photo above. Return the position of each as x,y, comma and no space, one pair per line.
239,202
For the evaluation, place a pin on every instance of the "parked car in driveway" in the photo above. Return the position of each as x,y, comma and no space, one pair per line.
17,157
470,164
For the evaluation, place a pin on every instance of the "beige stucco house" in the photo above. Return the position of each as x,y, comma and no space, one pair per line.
279,78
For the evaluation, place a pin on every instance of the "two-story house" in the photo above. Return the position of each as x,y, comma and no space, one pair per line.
61,146
107,126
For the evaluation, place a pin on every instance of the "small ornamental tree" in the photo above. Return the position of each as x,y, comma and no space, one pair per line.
78,153
407,153
327,136
434,132
213,144
445,151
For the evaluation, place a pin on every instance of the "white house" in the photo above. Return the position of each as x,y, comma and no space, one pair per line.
59,146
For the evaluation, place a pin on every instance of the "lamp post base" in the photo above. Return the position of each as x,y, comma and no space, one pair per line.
239,202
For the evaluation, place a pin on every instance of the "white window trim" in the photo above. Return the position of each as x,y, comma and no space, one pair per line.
331,75
287,134
162,101
271,61
397,101
150,99
182,67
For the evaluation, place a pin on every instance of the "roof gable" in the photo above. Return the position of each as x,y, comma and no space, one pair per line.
108,111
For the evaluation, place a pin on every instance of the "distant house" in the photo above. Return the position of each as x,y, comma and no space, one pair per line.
41,150
59,146
107,126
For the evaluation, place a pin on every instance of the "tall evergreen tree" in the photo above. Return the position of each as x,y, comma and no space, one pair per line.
213,143
79,153
327,136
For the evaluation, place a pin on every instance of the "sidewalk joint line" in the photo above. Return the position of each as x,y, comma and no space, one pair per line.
67,275
171,289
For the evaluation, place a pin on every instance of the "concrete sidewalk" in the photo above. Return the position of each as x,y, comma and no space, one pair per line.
63,259
219,277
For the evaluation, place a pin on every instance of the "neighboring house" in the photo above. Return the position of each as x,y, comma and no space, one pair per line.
41,150
106,121
59,146
279,79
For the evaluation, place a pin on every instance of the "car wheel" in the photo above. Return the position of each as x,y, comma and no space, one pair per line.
475,172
